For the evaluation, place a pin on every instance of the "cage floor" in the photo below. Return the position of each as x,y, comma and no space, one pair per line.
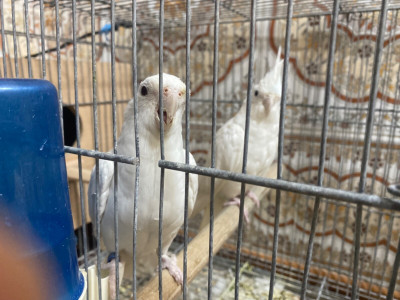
254,283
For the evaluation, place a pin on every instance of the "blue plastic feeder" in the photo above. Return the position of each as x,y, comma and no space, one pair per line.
34,198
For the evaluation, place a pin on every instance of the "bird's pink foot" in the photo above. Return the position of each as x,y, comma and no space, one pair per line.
236,201
169,263
112,292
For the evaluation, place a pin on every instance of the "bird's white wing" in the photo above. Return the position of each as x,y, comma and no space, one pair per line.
193,186
106,174
229,144
229,152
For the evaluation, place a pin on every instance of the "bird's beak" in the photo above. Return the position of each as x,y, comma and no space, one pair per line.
170,105
268,101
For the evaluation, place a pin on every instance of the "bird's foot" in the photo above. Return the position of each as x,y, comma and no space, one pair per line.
236,201
112,292
169,263
112,278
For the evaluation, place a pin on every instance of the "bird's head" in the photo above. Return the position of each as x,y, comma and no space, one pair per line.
263,100
173,97
267,93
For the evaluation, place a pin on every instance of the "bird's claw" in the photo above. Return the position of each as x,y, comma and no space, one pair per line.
253,197
169,263
236,201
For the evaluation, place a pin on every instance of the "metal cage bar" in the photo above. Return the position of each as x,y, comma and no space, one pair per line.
187,153
280,142
3,41
213,146
306,189
115,147
137,148
324,132
42,35
15,46
367,145
395,271
77,120
102,155
246,143
160,100
59,87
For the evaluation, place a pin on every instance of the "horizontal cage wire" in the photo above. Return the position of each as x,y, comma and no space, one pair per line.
87,50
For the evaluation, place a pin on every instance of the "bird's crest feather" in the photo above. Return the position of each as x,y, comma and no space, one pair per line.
272,81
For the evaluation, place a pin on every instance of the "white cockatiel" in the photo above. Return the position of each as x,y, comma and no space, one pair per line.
262,147
149,186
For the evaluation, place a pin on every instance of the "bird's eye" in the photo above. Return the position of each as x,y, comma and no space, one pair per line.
256,93
143,91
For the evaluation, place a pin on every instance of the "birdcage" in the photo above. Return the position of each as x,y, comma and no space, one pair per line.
328,225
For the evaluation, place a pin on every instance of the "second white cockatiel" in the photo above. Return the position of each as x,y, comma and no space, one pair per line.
262,147
174,91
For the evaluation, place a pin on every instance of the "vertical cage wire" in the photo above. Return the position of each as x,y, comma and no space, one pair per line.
337,136
42,37
137,148
377,150
213,146
356,132
14,39
97,179
280,142
321,167
367,145
59,88
82,203
396,264
160,93
77,121
323,202
395,271
3,41
115,149
187,140
246,142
